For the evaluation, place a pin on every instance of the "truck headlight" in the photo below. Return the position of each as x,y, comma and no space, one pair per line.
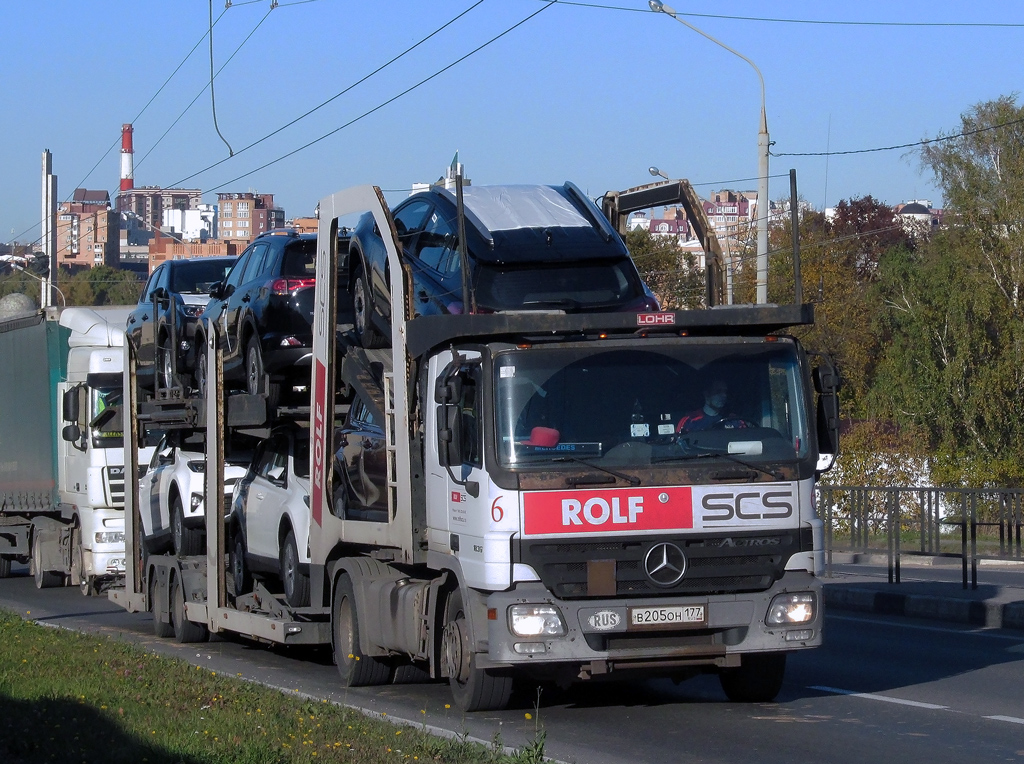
109,537
791,609
535,621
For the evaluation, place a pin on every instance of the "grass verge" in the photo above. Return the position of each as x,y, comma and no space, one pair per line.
70,697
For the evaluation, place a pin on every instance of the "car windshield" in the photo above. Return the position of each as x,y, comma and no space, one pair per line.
741,400
197,276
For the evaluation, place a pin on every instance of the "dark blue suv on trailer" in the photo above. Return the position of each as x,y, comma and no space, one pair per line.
263,310
528,248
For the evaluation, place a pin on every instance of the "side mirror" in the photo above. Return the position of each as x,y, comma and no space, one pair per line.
447,390
217,290
827,383
161,294
449,435
69,405
72,433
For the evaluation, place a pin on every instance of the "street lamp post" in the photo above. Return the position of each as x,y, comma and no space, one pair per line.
762,149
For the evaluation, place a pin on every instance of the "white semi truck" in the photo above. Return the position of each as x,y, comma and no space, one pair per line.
61,446
548,515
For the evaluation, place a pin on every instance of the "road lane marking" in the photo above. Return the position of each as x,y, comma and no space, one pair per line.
1012,719
883,698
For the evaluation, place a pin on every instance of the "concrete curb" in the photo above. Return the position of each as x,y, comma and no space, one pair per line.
987,613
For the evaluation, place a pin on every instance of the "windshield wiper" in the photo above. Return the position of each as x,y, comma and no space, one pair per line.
631,479
719,455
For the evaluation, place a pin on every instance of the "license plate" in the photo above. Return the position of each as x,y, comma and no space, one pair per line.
667,617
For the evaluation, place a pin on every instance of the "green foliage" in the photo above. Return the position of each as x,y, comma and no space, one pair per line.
101,285
673,275
73,697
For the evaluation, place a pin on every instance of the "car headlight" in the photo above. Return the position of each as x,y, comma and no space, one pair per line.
787,609
535,621
110,537
197,465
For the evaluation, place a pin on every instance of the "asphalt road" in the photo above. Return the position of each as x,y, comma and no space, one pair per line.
880,689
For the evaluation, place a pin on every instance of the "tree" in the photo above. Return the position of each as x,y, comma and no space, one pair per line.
952,319
672,274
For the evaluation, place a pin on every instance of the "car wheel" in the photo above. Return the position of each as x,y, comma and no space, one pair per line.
758,679
474,689
186,541
362,308
185,631
45,579
296,583
164,364
240,574
199,375
356,669
256,376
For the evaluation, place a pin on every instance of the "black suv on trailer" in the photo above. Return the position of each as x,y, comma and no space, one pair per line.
170,305
263,310
528,248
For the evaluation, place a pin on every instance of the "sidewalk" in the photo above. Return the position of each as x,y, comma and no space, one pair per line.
999,606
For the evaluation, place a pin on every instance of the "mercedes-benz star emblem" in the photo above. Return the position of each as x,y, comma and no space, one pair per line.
665,564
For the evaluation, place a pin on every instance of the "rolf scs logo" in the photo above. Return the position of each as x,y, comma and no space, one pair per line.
746,506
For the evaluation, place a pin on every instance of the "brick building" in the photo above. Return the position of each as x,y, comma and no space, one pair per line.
143,209
87,231
243,217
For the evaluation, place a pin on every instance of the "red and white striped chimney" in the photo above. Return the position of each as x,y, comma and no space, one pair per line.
127,159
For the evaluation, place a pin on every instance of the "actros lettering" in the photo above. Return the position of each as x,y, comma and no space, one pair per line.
598,511
723,507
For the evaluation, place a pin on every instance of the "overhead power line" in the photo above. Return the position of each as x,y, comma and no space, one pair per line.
922,142
391,100
818,22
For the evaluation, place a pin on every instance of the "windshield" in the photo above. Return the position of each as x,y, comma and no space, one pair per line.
197,276
738,400
105,418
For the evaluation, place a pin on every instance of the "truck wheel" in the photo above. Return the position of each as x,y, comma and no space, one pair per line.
356,669
256,374
474,689
410,673
5,567
45,579
187,541
185,631
758,679
296,583
240,575
162,629
199,374
78,575
362,308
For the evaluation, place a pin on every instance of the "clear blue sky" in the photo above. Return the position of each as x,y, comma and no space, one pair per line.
579,92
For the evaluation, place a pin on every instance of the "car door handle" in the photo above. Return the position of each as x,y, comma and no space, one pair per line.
424,297
259,497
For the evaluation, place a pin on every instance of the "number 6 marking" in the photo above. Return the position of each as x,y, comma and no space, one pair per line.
497,513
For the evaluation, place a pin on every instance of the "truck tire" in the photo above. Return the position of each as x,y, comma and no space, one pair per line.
362,309
296,583
241,577
199,373
162,629
78,576
186,541
474,689
5,567
45,579
256,374
356,669
185,631
758,679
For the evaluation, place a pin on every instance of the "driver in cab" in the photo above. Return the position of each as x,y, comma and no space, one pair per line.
714,414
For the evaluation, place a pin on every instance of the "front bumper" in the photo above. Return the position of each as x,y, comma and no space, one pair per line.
735,624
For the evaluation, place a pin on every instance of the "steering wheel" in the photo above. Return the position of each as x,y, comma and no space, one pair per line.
732,423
